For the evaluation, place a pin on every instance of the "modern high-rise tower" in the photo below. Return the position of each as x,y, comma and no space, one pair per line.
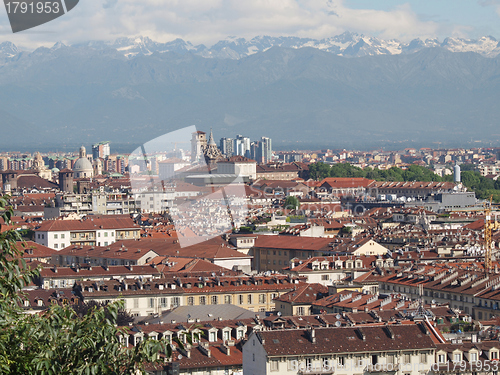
101,150
241,146
226,146
266,149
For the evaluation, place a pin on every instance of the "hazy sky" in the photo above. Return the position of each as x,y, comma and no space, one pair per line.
207,21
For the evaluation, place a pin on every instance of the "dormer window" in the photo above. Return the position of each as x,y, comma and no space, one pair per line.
493,354
212,336
457,357
168,337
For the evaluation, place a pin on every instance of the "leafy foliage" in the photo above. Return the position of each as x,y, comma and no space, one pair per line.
291,203
123,318
58,341
412,173
471,178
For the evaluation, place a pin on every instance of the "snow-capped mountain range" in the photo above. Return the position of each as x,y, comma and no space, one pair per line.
347,44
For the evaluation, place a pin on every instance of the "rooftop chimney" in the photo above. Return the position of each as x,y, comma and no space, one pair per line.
311,332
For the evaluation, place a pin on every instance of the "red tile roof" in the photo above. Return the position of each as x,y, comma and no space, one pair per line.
346,182
346,340
307,293
89,224
293,243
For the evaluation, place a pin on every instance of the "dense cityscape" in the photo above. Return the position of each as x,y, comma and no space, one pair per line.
293,187
266,257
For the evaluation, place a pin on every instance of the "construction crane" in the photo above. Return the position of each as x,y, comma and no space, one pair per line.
489,227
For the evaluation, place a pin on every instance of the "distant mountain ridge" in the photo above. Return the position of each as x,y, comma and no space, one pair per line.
132,90
347,44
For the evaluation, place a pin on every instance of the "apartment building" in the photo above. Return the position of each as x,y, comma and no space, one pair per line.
98,231
331,269
344,350
276,252
97,202
472,291
148,297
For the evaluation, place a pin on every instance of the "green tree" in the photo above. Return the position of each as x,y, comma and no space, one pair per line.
58,341
292,203
319,171
123,318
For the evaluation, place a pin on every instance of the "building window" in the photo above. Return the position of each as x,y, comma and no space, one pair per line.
163,302
473,357
55,236
240,299
214,300
190,301
175,301
212,336
292,364
324,277
202,300
136,303
300,310
423,357
262,298
56,246
274,365
151,303
494,355
441,358
227,300
249,299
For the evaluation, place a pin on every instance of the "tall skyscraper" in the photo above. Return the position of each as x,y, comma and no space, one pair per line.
242,146
255,152
226,146
101,150
266,149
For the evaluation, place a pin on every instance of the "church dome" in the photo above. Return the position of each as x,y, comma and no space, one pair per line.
82,164
83,167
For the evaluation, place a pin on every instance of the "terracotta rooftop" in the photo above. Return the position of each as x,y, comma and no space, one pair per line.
89,224
346,340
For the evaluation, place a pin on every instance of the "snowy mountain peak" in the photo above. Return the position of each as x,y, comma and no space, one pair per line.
347,44
58,45
8,49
